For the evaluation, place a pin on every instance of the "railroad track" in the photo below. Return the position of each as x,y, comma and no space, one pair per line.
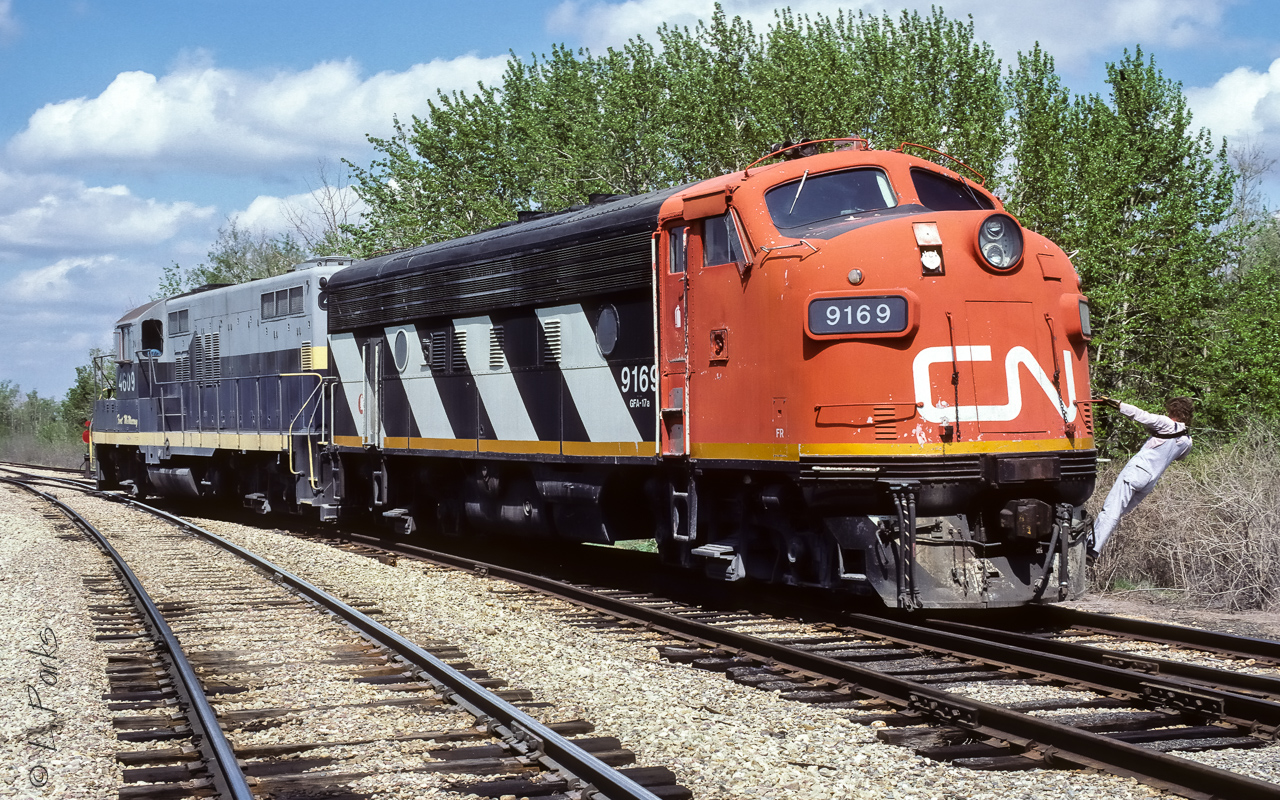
232,643
1124,709
1125,714
1060,622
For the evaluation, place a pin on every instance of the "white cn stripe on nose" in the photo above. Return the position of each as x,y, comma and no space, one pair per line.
1010,410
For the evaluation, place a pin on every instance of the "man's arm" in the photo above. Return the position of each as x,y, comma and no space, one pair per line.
1156,423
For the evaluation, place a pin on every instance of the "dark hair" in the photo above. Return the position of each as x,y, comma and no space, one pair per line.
1180,409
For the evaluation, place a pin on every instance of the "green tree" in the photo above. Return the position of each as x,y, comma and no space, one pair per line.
237,256
1149,229
10,400
29,414
709,101
1042,190
1247,348
93,381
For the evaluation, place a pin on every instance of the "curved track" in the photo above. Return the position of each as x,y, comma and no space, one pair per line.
1138,705
1133,715
520,742
228,780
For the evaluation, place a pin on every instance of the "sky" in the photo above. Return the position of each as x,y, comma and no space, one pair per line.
131,130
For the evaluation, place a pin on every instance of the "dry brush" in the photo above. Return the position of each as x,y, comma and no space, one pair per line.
1209,533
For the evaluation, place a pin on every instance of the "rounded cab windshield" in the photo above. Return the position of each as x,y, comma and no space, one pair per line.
830,196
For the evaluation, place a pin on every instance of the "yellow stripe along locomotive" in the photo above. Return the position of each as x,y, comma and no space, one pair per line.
849,370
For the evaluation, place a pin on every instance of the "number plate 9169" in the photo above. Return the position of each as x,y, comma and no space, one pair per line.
886,314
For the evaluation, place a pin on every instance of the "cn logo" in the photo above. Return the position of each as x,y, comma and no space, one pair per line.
1010,410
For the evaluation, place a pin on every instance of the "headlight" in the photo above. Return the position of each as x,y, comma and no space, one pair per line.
1000,241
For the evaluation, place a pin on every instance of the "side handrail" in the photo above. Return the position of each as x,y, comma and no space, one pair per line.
746,173
318,390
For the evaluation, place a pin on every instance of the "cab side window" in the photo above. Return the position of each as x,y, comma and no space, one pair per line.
153,335
678,252
720,244
940,193
179,322
282,303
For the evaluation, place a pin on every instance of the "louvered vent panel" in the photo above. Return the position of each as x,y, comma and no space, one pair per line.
304,357
213,354
182,368
886,426
544,278
458,352
551,342
438,352
197,358
497,338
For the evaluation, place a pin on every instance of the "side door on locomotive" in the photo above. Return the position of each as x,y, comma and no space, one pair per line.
704,258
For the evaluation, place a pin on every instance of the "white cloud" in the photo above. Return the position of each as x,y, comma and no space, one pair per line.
1242,104
1071,32
222,120
8,24
266,213
57,281
285,214
56,212
55,312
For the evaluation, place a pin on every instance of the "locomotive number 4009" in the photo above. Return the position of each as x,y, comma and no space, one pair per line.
887,314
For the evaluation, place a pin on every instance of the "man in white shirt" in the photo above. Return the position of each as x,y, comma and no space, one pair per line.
1170,441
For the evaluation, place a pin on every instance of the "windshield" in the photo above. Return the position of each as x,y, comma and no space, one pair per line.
829,196
939,193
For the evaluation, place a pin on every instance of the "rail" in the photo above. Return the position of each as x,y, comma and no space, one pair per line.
1214,641
513,724
528,736
1057,744
228,778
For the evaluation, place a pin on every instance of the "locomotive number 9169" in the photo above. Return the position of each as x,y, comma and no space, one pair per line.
639,379
886,314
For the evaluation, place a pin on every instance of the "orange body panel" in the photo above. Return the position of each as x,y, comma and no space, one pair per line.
1008,336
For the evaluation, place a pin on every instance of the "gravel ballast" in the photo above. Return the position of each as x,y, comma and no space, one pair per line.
723,739
56,737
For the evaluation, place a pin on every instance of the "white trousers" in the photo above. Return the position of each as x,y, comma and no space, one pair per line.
1131,488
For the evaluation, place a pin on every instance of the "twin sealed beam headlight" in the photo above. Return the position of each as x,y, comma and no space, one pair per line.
1000,241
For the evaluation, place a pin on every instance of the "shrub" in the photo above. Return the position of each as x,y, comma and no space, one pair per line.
29,449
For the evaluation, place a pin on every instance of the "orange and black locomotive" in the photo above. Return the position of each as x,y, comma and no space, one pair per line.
849,370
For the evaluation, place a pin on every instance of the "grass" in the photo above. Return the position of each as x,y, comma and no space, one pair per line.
643,545
27,449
